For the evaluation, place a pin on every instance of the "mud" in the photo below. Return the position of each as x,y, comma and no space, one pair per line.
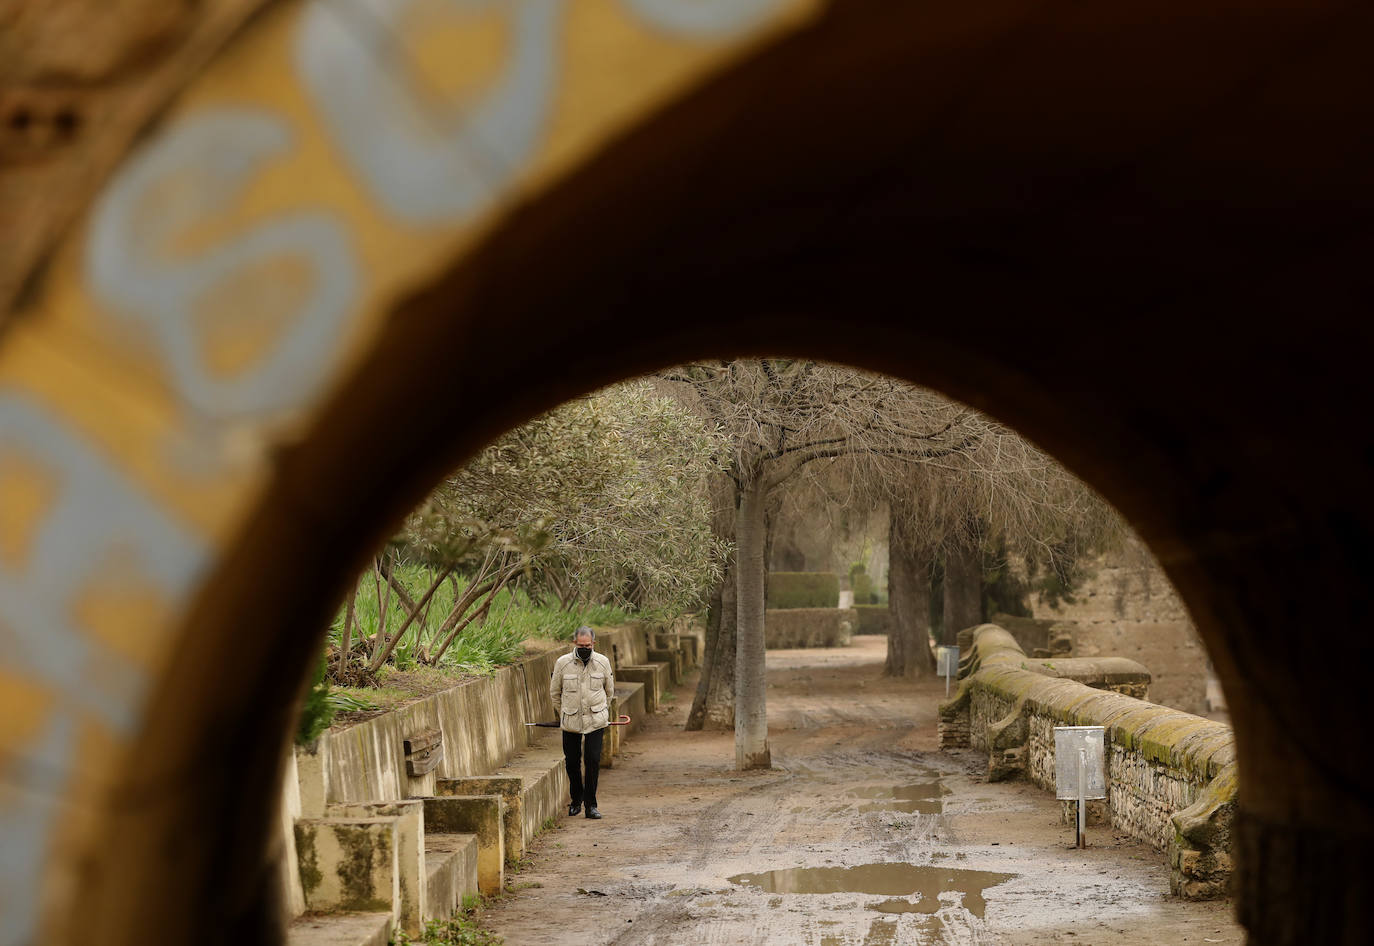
859,795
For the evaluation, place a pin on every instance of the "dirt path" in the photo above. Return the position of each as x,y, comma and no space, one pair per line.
858,781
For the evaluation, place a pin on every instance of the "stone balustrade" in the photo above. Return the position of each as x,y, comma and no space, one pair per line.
1171,776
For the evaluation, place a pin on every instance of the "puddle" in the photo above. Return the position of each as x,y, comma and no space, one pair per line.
896,905
924,883
920,797
881,933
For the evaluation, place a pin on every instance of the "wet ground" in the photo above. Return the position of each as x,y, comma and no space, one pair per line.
863,833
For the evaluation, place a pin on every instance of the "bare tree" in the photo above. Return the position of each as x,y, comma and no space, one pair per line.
778,417
1001,494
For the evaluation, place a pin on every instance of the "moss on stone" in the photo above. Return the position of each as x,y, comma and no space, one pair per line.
308,858
361,847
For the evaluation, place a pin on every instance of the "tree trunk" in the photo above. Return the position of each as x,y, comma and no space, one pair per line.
751,704
908,591
963,591
346,636
714,704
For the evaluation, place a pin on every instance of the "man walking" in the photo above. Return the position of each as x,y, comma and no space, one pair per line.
582,687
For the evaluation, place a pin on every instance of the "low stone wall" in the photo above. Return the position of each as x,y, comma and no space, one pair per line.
480,725
482,722
808,627
1171,776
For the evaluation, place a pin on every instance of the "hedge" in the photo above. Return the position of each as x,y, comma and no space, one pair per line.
808,627
803,590
873,619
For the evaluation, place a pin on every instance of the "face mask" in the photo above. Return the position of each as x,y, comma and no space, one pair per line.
584,654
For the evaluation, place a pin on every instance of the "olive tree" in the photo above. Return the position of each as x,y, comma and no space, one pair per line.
605,491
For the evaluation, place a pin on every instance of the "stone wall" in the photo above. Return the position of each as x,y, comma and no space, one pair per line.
366,761
1128,608
1171,776
481,724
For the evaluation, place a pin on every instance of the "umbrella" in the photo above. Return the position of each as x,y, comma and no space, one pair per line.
622,721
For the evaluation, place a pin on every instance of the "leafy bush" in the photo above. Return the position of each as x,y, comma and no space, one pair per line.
803,590
483,645
318,710
861,584
873,619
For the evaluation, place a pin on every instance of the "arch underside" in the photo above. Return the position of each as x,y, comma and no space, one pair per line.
1139,239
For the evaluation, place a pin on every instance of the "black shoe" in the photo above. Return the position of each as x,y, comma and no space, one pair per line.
592,812
574,808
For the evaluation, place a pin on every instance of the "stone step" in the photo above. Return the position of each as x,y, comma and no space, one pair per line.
339,929
450,873
482,815
654,676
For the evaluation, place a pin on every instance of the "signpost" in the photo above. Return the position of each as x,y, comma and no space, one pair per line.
1079,770
947,664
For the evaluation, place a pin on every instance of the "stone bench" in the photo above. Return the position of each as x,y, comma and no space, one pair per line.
482,815
450,872
411,908
684,644
673,658
340,929
533,785
654,676
629,700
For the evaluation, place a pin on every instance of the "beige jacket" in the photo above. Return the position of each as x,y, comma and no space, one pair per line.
582,694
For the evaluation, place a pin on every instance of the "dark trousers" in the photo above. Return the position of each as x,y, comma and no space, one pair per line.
574,748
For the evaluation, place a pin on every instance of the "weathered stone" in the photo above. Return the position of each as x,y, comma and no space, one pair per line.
349,864
410,854
653,676
482,815
672,658
511,788
1159,762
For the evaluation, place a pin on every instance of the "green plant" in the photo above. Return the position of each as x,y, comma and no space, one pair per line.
317,712
873,619
461,929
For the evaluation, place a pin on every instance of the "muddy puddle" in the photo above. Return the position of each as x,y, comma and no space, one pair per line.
925,798
909,888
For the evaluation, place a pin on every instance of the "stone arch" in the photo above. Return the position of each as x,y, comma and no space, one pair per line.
1156,273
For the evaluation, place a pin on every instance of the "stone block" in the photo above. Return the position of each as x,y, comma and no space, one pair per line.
630,697
340,929
1098,813
691,649
670,657
610,743
349,864
511,788
410,853
450,873
482,815
654,677
544,781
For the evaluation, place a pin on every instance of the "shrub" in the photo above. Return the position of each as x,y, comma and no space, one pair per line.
873,619
318,711
808,627
861,584
803,590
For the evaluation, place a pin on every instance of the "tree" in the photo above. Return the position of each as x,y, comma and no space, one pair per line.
778,417
602,497
1000,497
